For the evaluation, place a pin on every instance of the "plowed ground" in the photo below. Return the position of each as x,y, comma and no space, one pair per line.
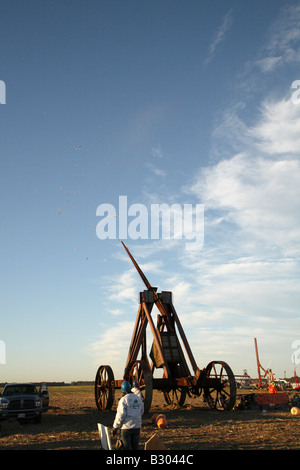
71,423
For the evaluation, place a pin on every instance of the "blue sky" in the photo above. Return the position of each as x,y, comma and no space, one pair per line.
186,102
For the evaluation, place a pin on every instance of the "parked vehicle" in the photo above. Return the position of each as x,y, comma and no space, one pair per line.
22,401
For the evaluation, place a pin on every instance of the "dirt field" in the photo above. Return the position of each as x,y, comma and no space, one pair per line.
71,423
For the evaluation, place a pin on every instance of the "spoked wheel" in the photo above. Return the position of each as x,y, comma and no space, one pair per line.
140,371
175,396
104,388
219,386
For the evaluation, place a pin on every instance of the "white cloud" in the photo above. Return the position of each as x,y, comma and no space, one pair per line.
156,170
277,131
267,64
282,46
157,152
112,347
259,196
117,311
219,36
246,278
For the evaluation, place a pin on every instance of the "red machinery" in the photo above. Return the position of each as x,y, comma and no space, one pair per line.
259,366
297,385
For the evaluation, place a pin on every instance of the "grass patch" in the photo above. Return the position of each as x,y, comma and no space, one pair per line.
65,389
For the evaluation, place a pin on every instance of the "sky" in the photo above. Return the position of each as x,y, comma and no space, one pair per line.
153,102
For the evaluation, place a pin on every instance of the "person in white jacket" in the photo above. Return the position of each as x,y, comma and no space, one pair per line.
129,418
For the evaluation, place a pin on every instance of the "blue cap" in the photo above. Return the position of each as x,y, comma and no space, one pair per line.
125,387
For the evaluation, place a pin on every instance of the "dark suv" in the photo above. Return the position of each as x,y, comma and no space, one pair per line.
22,401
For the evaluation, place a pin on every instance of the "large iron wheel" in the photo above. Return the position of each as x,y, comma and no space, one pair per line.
140,372
104,388
219,386
175,396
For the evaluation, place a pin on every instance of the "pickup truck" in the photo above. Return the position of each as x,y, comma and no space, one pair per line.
22,401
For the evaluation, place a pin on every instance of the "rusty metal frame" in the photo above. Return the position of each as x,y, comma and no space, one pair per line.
169,321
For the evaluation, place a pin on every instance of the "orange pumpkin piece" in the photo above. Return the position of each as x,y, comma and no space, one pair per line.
161,423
